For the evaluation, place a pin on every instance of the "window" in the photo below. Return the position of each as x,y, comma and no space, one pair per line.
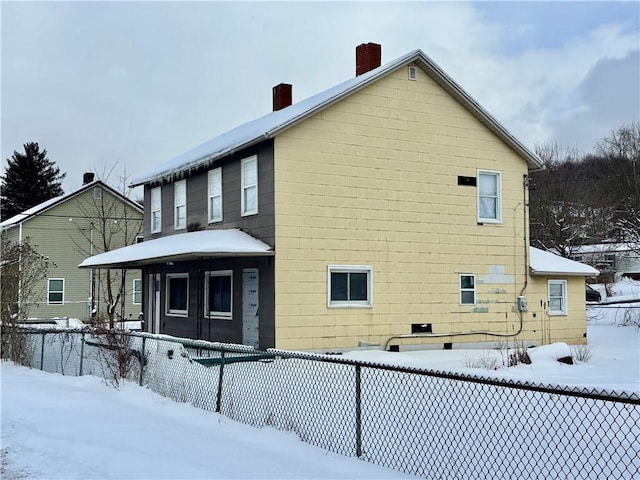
467,289
413,72
215,195
180,204
249,186
137,291
97,193
350,286
557,297
489,202
219,293
156,218
177,294
55,293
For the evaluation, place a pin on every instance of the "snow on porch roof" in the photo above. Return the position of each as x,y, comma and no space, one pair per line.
545,263
206,243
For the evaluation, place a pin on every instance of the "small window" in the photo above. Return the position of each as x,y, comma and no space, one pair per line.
467,289
557,297
215,195
55,293
249,186
219,294
489,197
97,193
156,218
350,286
180,204
177,294
413,72
137,291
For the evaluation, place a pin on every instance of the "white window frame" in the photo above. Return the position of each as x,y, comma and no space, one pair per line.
498,196
563,297
137,281
168,311
216,314
467,289
368,269
156,208
214,182
179,201
245,185
49,291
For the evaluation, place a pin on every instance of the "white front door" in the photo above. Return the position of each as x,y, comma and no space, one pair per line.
153,302
250,322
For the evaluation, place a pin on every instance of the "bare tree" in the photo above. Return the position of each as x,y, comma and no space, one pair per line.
110,224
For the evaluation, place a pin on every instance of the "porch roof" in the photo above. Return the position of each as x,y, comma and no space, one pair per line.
546,263
183,246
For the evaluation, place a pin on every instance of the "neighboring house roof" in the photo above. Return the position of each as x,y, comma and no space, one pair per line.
546,263
276,122
603,248
46,205
205,243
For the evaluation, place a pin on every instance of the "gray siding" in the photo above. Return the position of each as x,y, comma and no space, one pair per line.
260,225
196,325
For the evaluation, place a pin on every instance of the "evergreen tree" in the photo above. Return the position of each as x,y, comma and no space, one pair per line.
29,179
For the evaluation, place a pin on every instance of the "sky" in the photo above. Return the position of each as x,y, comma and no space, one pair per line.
118,88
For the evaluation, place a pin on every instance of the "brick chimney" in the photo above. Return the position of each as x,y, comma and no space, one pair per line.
368,57
282,97
87,177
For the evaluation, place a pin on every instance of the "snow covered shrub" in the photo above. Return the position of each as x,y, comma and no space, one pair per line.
518,354
582,353
118,357
631,317
485,360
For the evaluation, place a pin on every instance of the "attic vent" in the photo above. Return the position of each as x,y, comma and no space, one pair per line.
413,72
467,181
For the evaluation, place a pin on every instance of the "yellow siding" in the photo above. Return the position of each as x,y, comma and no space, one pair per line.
64,233
372,180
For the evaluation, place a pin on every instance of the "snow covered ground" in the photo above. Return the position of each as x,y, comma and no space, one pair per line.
56,426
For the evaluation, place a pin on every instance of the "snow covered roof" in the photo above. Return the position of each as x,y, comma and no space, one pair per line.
205,243
274,123
46,205
603,248
546,263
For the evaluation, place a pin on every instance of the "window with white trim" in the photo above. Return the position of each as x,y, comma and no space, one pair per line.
467,289
489,197
55,291
249,186
177,294
219,294
349,286
557,290
215,195
180,204
156,212
137,291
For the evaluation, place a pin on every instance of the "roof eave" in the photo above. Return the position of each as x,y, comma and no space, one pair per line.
565,274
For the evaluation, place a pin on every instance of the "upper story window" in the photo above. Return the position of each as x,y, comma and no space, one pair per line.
156,212
350,286
180,204
467,289
249,186
557,297
489,197
55,293
215,195
97,193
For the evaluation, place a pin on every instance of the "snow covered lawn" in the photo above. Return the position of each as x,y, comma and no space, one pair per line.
56,426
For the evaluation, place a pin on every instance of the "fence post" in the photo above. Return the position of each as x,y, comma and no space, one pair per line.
42,353
81,353
142,359
219,398
358,415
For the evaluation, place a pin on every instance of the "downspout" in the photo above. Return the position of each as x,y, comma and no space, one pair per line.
525,184
20,269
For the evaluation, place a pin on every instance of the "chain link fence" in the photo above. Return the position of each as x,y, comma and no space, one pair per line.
432,424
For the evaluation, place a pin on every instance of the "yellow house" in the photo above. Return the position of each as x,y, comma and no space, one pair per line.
389,211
